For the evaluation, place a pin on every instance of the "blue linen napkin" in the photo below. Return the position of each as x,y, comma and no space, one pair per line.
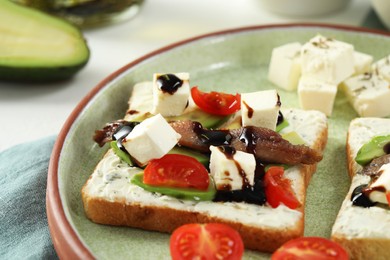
24,233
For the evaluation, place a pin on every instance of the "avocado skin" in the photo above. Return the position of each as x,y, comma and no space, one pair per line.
40,68
40,74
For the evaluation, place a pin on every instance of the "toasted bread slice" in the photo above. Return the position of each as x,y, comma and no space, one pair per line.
110,198
364,232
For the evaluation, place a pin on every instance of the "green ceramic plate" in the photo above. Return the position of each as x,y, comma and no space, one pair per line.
234,60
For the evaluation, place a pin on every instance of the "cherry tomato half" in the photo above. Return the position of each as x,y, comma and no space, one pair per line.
310,248
216,103
176,170
278,189
206,241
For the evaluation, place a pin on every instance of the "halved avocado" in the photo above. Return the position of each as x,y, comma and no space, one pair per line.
35,46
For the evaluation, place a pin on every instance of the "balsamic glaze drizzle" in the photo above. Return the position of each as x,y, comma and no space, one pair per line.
169,83
121,132
280,118
360,198
211,137
386,148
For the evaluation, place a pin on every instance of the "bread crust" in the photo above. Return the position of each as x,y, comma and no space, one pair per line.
374,248
350,158
166,220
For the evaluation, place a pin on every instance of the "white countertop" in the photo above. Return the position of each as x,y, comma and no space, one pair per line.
29,112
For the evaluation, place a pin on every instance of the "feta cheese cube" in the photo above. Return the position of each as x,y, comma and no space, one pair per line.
151,139
379,194
231,170
382,67
327,59
285,67
260,108
362,62
170,93
369,94
316,95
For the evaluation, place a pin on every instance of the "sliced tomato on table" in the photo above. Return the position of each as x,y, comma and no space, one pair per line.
176,170
310,248
278,189
216,103
206,241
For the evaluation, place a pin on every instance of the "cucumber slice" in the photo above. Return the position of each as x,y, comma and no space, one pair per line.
35,46
180,193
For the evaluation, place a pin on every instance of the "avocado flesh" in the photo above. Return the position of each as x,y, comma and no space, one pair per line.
207,120
373,149
180,193
121,154
202,158
35,46
294,138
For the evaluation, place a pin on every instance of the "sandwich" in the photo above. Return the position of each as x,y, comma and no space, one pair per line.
249,148
363,222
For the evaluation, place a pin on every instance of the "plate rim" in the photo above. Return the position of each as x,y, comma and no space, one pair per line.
66,242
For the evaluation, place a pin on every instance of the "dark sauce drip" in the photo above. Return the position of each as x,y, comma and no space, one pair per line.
360,197
169,83
280,118
250,110
132,112
249,139
121,132
251,194
212,137
104,135
386,148
278,103
229,152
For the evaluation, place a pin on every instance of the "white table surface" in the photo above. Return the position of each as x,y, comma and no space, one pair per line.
29,112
